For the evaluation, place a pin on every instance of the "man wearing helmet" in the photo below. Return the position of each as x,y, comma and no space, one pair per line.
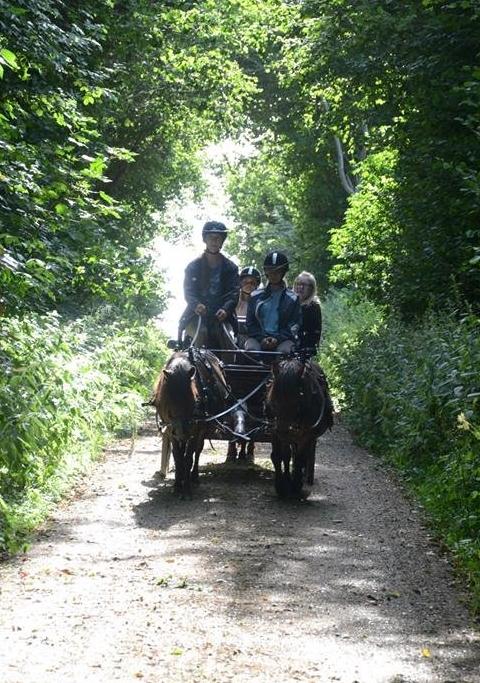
274,314
250,280
211,289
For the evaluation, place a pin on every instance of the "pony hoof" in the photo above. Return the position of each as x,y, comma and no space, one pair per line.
305,493
282,489
300,493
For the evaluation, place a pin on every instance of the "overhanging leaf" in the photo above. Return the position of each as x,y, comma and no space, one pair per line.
9,58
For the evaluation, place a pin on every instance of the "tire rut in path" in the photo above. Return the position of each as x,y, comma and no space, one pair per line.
127,582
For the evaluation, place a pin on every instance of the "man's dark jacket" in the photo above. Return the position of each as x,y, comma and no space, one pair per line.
289,314
196,284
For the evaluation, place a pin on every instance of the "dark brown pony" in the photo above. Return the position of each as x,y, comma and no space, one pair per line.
298,404
190,388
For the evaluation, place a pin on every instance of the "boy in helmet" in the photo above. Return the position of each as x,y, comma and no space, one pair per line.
250,280
211,289
274,314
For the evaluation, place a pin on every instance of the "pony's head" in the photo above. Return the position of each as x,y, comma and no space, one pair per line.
298,397
176,392
285,396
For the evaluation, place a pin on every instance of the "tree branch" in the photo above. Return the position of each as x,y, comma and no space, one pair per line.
348,184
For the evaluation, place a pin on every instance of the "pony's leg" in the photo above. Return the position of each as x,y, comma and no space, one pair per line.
250,452
232,452
241,451
178,448
188,462
289,451
166,450
298,469
280,457
311,461
304,467
198,450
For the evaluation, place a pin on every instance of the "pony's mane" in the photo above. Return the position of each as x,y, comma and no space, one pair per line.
176,390
287,378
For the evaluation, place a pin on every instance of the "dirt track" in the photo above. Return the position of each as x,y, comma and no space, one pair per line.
128,582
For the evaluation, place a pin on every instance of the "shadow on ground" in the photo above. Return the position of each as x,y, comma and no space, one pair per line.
343,565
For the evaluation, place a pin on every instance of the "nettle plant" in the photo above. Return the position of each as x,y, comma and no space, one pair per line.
65,388
411,393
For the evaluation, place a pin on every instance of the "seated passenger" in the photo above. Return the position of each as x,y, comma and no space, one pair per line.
310,331
273,315
250,280
211,290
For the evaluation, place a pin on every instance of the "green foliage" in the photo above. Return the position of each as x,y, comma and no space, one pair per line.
64,389
412,394
401,79
288,195
398,83
257,188
365,245
278,205
104,108
346,318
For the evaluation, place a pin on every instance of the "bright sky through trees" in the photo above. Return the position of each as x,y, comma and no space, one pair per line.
215,205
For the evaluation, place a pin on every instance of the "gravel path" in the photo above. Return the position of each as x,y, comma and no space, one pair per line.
127,582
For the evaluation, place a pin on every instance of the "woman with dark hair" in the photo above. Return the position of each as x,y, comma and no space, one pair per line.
305,286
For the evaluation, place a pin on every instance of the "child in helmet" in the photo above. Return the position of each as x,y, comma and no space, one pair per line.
273,315
211,288
250,280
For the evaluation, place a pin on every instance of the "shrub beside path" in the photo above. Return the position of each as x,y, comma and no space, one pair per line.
126,582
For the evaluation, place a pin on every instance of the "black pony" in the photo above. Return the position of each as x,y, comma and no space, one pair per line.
299,406
191,386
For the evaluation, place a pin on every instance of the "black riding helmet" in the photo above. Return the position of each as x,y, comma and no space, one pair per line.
214,227
276,259
250,271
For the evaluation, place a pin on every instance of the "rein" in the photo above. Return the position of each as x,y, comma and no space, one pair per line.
237,348
215,418
315,424
239,402
199,324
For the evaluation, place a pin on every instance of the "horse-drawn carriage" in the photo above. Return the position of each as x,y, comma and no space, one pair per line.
233,395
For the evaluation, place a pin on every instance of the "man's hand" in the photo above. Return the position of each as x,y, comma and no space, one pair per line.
221,315
200,309
269,343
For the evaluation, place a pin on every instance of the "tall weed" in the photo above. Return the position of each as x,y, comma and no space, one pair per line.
64,389
411,393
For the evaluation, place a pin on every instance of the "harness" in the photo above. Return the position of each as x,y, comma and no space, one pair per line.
207,398
204,378
296,426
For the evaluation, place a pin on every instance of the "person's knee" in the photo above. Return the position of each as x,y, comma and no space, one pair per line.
252,344
285,346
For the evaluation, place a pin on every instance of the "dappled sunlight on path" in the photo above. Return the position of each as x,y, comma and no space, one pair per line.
130,582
